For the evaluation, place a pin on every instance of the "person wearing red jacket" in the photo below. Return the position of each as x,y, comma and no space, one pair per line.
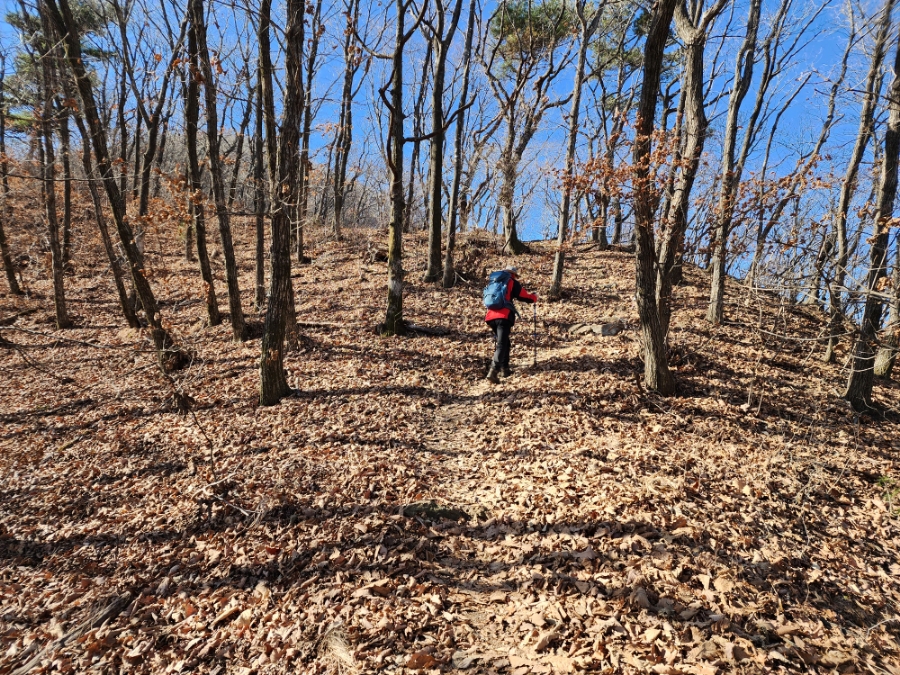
501,322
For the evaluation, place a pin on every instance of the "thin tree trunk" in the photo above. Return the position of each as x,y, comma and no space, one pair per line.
170,357
418,105
238,326
509,167
118,274
743,76
150,154
160,158
196,197
587,30
305,164
862,375
65,148
456,205
239,150
259,200
441,46
48,166
657,375
848,187
887,354
136,172
344,135
189,226
693,125
5,210
273,385
618,220
393,322
123,138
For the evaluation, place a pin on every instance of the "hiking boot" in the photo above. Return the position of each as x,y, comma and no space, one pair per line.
506,371
492,375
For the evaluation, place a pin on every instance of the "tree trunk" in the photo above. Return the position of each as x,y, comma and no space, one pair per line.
449,277
48,166
189,226
136,172
393,321
441,47
273,385
65,148
5,210
344,134
887,354
305,164
618,220
196,197
509,168
170,357
743,76
118,274
259,200
693,125
558,261
239,150
657,376
859,385
161,157
123,140
418,105
238,326
848,187
436,166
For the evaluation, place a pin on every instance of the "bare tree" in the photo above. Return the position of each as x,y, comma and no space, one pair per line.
692,24
198,22
5,210
440,41
862,375
284,157
587,25
99,216
196,196
612,106
305,165
61,15
864,133
259,199
657,375
152,118
787,29
523,58
393,322
449,276
48,161
743,76
887,353
353,61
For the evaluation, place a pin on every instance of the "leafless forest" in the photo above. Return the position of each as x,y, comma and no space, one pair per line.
245,425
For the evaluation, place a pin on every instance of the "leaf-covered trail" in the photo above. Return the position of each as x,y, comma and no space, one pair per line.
745,525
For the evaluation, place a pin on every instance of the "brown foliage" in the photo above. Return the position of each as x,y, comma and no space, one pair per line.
746,525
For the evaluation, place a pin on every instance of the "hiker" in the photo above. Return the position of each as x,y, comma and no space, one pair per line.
503,288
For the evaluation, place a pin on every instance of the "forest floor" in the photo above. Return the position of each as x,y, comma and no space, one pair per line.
748,524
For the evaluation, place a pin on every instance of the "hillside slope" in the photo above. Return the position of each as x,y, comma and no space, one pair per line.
745,525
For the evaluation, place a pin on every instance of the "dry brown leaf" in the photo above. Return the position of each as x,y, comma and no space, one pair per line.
420,661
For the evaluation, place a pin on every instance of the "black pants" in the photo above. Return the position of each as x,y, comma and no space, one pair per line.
501,329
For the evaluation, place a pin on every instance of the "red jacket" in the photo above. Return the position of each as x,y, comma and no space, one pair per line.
514,291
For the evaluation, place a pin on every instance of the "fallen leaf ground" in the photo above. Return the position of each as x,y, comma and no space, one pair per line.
746,525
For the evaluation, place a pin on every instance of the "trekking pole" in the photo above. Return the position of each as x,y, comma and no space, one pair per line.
534,335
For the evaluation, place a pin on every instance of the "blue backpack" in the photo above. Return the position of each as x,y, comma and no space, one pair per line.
494,294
